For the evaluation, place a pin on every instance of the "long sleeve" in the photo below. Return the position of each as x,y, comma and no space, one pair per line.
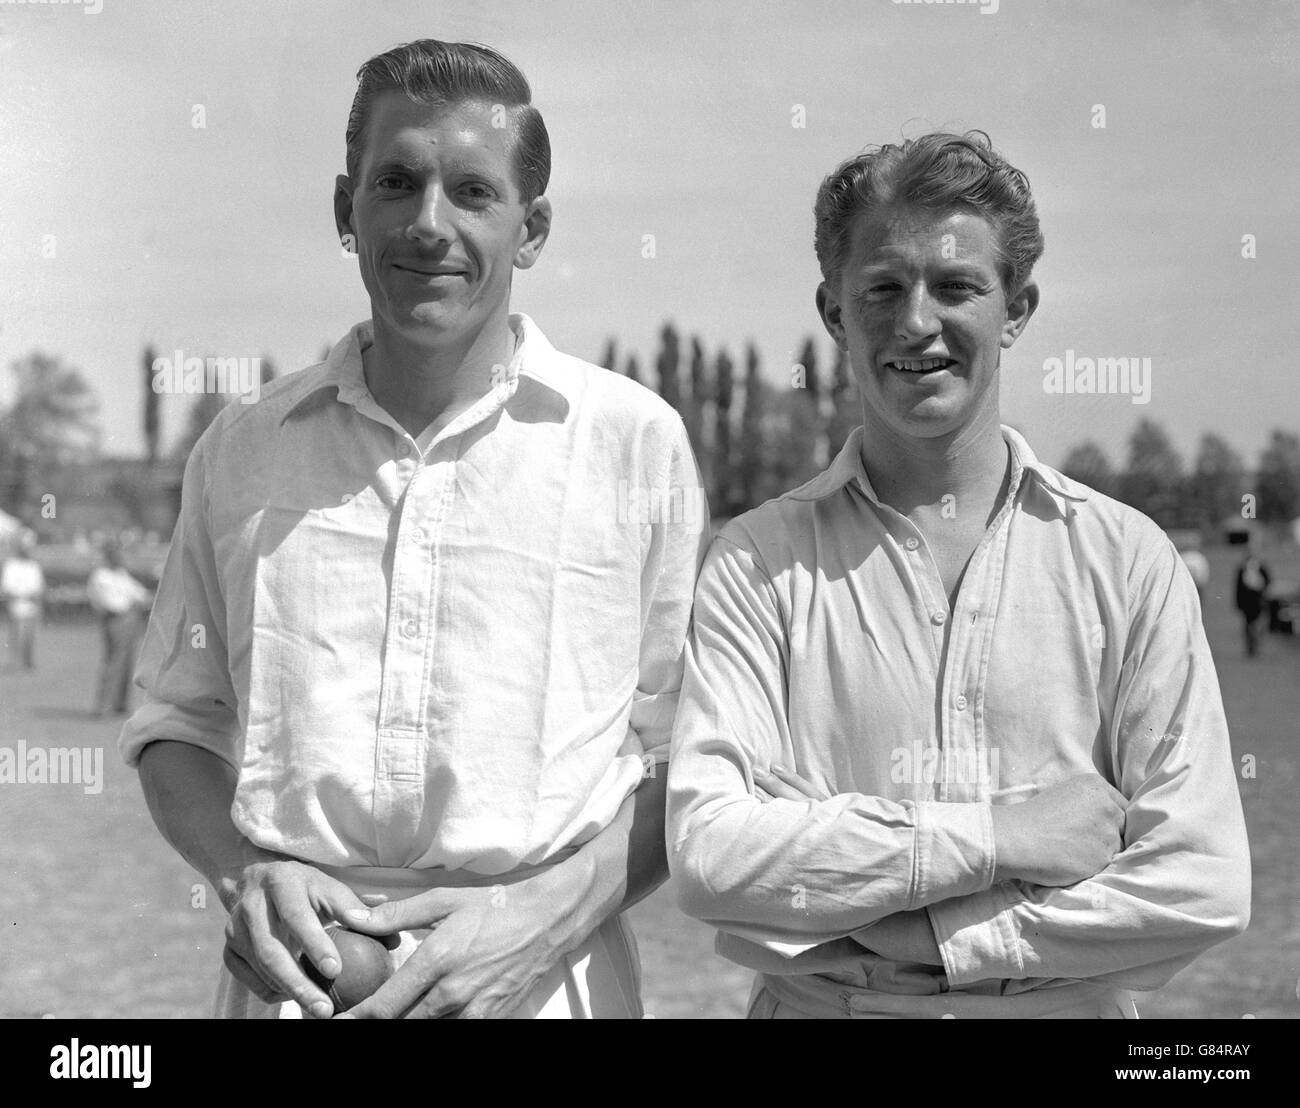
183,666
678,539
787,874
1182,881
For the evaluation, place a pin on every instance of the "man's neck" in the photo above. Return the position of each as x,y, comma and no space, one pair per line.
911,474
419,385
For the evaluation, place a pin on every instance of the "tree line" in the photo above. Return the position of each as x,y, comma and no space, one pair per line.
773,438
753,437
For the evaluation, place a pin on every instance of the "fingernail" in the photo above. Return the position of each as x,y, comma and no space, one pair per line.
321,1010
329,967
357,913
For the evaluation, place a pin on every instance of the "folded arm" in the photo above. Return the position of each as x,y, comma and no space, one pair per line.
788,873
1181,882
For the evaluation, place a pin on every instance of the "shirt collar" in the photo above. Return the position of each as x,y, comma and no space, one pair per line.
848,468
534,357
1057,484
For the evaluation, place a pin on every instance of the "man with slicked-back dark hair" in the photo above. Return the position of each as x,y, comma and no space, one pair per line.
416,652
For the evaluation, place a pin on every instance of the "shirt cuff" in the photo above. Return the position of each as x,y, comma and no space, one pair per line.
978,937
156,720
954,850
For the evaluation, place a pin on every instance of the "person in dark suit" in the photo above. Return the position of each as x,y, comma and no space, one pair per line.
1253,580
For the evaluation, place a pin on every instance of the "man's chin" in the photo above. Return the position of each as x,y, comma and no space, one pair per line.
945,411
931,418
431,322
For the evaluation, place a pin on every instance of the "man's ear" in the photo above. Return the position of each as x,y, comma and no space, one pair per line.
537,226
343,211
1019,308
828,307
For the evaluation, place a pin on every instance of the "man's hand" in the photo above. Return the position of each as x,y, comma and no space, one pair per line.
489,949
1066,834
787,785
275,911
900,937
491,946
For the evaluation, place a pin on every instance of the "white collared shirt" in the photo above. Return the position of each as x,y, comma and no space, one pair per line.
112,590
23,584
823,642
452,651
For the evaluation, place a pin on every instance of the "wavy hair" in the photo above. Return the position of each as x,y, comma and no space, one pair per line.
936,172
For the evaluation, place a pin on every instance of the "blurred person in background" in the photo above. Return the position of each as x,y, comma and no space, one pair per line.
119,599
22,588
1252,582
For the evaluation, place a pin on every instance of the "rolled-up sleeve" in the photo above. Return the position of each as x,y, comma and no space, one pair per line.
1182,880
183,667
678,539
788,874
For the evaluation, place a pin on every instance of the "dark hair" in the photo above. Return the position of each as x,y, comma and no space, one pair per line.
433,72
939,171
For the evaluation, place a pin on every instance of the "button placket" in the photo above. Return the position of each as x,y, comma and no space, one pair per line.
956,739
970,641
927,578
410,606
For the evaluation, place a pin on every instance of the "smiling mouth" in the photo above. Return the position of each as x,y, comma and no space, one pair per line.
920,365
431,272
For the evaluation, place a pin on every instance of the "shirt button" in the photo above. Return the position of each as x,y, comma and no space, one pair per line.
347,498
417,535
403,449
960,703
912,542
939,618
409,628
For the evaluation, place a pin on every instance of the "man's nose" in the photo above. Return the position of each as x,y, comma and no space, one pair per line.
918,316
432,221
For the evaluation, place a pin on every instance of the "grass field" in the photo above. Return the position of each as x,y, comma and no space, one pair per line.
99,918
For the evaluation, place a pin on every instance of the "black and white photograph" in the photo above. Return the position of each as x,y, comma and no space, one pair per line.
651,510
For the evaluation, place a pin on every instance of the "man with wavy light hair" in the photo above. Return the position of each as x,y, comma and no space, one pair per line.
415,658
950,740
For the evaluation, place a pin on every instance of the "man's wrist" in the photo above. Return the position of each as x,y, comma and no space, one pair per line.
229,876
571,893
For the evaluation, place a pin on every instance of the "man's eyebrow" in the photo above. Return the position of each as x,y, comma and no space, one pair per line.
394,164
468,167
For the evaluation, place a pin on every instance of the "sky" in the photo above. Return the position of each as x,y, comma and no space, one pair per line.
122,223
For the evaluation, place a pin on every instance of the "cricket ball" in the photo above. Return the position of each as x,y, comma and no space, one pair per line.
364,966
